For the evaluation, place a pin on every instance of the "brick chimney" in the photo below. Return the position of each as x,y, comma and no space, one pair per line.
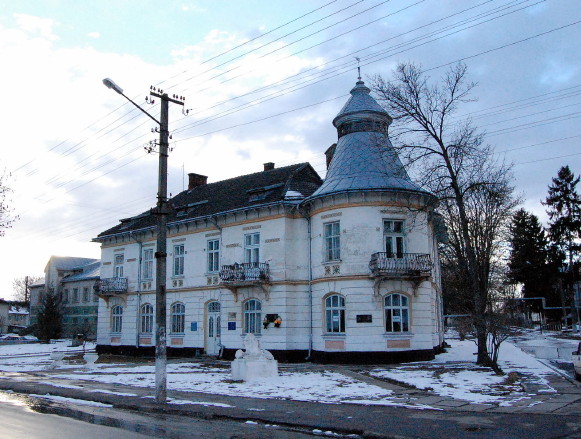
196,180
269,166
330,153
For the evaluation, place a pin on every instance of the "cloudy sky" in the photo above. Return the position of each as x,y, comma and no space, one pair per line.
262,80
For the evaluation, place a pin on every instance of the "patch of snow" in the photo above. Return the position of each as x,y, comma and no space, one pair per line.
70,400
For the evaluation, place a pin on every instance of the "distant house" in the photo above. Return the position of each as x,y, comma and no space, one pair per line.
18,317
73,279
340,269
4,307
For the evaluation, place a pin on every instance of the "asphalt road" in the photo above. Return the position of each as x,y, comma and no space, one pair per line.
29,418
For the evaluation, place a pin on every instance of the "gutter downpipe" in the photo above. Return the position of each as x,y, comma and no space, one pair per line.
310,281
138,310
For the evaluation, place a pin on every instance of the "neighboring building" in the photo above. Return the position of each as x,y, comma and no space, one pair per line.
4,307
18,317
344,269
74,280
80,300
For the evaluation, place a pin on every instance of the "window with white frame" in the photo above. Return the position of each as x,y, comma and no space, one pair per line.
85,294
75,295
66,295
213,255
116,318
252,316
335,314
252,248
332,241
147,262
393,234
146,318
118,266
178,259
397,313
178,318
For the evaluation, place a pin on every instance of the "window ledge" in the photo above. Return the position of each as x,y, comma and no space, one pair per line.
334,335
335,261
178,276
177,334
398,335
244,334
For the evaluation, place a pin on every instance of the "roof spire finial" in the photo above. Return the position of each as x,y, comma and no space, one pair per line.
358,69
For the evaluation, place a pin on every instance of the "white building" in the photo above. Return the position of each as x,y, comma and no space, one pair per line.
344,269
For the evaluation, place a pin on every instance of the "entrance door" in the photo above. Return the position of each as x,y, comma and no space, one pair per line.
213,328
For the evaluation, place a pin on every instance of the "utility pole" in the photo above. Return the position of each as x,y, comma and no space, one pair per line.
161,211
26,289
161,253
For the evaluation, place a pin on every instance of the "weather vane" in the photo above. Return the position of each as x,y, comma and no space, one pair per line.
358,68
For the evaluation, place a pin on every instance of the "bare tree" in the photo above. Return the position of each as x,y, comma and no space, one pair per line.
21,287
6,217
474,190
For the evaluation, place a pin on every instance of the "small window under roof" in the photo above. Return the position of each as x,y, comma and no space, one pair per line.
260,193
188,209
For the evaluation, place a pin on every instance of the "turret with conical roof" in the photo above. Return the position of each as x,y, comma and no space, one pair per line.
364,159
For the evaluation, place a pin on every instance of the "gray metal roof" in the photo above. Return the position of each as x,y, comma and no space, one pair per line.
364,160
89,271
70,262
360,102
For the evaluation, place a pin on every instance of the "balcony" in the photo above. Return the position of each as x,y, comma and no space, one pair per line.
111,286
400,266
247,274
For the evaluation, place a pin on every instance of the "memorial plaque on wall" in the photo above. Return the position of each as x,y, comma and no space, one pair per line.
364,318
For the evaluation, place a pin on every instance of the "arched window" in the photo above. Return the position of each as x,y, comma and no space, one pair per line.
397,313
146,318
116,318
335,313
178,318
252,316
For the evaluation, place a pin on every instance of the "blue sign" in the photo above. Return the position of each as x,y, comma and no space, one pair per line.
231,326
194,326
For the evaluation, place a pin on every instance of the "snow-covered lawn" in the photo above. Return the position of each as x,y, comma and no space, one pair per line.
35,357
326,387
454,374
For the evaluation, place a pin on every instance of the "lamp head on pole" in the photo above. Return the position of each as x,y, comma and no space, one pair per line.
110,84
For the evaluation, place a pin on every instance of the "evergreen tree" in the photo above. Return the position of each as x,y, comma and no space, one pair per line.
49,322
529,257
564,210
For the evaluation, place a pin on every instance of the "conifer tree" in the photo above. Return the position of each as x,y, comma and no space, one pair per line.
564,210
529,257
49,322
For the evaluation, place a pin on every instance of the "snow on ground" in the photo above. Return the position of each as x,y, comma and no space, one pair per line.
454,374
70,400
326,387
35,357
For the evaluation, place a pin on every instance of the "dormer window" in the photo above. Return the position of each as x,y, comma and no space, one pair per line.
188,209
261,193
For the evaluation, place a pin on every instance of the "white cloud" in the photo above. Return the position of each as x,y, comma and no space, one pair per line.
42,27
94,35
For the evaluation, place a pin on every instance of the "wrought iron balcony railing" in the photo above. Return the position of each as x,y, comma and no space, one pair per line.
245,273
112,285
400,265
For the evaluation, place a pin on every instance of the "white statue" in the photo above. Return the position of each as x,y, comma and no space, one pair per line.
254,362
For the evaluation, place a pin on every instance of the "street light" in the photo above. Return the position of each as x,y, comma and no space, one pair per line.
161,254
110,84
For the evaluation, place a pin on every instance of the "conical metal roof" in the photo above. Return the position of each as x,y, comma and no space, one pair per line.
364,158
360,101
